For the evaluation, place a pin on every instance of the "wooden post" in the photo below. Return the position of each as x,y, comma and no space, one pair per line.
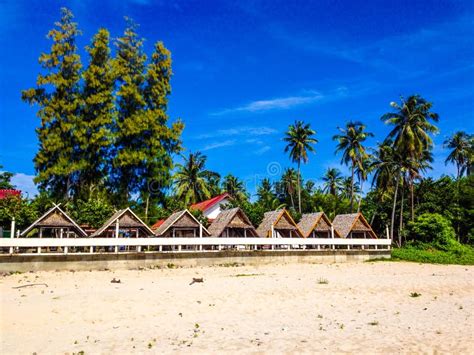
12,233
332,237
139,248
200,234
117,230
91,250
41,236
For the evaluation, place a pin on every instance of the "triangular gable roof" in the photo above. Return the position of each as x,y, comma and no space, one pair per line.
69,220
205,205
118,215
345,223
272,218
172,219
225,218
310,222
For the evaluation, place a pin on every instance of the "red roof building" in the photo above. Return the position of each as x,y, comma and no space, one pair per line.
4,193
212,207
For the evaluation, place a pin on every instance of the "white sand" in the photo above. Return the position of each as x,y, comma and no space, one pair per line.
365,307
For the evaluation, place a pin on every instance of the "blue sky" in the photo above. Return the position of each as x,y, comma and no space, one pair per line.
245,70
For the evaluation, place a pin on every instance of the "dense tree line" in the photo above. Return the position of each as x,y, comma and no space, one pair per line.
105,141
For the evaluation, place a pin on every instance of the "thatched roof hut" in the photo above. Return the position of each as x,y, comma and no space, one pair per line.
353,225
181,224
232,223
124,220
278,224
316,225
55,219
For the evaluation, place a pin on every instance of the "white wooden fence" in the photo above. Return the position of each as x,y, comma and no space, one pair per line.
93,245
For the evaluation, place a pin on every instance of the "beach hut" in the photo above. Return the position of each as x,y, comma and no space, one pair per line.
278,224
179,225
55,223
124,223
232,223
316,225
353,225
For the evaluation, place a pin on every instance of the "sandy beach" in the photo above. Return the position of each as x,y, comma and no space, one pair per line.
350,308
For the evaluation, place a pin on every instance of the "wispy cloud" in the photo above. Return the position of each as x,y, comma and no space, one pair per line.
25,183
262,150
281,103
239,131
216,145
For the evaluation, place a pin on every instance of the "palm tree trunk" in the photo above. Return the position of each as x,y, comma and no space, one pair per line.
352,186
400,228
360,199
146,207
393,209
299,188
412,197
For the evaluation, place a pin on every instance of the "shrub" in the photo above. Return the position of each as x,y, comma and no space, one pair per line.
434,229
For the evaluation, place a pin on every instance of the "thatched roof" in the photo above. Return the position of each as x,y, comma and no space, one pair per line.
232,218
279,219
353,222
55,217
317,221
184,219
127,219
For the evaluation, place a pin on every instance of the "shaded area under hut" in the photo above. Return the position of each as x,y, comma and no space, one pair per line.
181,224
278,224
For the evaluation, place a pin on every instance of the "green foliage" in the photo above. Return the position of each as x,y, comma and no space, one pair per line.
463,256
93,212
5,179
19,208
434,229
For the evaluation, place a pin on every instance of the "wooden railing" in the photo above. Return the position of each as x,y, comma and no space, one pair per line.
28,246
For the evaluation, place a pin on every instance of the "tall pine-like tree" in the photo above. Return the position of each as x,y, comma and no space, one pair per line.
131,125
162,141
57,95
98,114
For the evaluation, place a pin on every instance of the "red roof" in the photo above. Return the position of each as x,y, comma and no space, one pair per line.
205,205
157,224
9,192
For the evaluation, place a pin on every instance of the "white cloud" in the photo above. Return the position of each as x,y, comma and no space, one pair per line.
216,145
262,150
25,183
282,103
238,131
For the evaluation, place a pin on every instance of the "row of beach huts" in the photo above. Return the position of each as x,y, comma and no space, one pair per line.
224,223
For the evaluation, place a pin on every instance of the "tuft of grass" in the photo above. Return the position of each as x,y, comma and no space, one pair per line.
322,281
171,266
320,316
374,323
426,254
150,345
246,275
234,264
415,294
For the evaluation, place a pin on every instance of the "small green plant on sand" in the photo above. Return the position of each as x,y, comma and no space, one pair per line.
374,323
322,281
415,294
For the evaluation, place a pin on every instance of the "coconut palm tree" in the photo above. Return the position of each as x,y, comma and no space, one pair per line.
300,139
192,179
362,171
462,151
332,181
234,187
411,132
289,180
387,166
350,143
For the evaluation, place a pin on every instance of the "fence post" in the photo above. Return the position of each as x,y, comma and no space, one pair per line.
12,233
116,233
